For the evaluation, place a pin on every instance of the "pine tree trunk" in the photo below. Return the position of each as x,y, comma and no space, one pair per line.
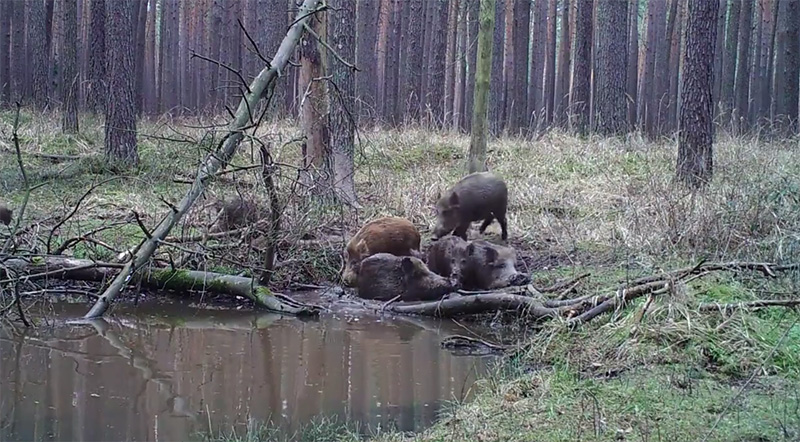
69,66
20,71
480,126
5,53
460,73
550,63
646,80
509,60
536,104
141,20
412,61
450,57
742,80
383,54
695,157
791,85
469,86
342,37
36,21
149,73
611,107
212,71
518,118
562,83
633,62
313,106
436,63
756,73
393,65
661,68
674,69
729,62
367,34
120,138
719,55
582,69
769,11
273,23
497,85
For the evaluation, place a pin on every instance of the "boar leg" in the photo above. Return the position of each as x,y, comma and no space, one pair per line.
502,221
486,222
461,231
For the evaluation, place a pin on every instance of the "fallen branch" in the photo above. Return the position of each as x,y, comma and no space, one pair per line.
761,303
475,304
214,161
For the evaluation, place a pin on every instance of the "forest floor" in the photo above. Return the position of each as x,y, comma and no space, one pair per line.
605,206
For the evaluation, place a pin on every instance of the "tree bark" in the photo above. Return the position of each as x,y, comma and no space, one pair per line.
382,52
562,83
213,161
674,69
769,12
729,62
314,109
538,49
342,123
695,163
149,72
140,23
719,55
582,70
633,62
461,57
497,87
550,63
436,63
742,80
367,34
69,66
36,29
19,60
274,22
412,61
5,53
791,84
611,107
480,126
120,138
661,68
518,118
213,45
472,48
450,60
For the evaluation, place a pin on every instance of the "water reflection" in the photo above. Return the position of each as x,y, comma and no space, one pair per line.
164,372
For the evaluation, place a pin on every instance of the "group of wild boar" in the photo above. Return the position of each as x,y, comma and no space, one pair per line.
384,261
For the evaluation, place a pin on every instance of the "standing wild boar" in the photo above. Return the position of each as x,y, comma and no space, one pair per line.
384,276
382,235
478,265
236,213
478,196
5,214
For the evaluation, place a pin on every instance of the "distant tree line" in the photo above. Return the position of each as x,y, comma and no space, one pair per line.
417,60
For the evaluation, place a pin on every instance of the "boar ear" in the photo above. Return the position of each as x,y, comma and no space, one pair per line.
491,255
454,199
407,265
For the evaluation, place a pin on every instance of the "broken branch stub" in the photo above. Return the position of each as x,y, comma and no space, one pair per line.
214,161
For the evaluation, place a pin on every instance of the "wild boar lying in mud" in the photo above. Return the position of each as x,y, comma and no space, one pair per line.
236,213
478,196
479,265
5,214
382,235
384,276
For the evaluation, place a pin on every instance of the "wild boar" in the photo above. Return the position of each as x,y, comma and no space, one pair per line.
236,213
382,235
478,265
478,196
384,276
5,214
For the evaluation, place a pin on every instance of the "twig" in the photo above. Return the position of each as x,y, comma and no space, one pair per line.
74,210
28,190
225,66
331,50
562,284
761,303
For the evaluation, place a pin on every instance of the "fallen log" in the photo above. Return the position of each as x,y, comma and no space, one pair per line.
457,305
60,267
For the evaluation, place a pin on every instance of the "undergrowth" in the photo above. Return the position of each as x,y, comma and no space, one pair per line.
657,370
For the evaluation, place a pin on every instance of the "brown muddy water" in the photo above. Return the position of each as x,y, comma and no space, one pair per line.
167,371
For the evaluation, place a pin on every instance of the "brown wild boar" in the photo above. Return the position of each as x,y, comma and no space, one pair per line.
236,213
382,235
478,265
384,276
478,196
5,214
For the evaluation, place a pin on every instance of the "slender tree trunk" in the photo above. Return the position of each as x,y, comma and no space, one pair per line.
769,11
719,56
313,105
550,64
695,157
450,60
647,80
791,54
674,69
382,51
141,20
480,126
509,60
633,61
274,21
562,83
436,64
19,71
412,61
472,38
611,109
742,80
69,65
393,66
536,104
518,118
214,30
661,68
36,21
367,34
729,62
581,76
120,139
461,57
149,73
342,37
5,53
497,89
756,73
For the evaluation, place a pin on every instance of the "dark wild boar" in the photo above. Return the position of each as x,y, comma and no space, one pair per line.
236,213
382,235
5,214
384,276
478,196
478,265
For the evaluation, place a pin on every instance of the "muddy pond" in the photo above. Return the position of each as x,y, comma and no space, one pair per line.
166,371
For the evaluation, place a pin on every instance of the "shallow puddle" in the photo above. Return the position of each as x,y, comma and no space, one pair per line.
166,371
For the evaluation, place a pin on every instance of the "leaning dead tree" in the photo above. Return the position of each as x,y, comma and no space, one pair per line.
260,87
